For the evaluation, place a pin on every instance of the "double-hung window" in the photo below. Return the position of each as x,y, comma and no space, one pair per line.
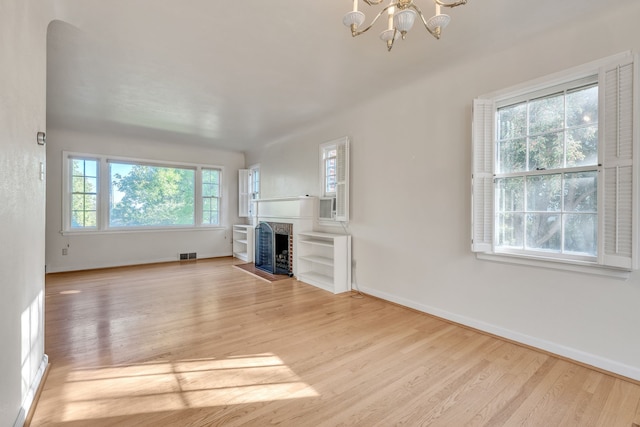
83,197
105,193
554,173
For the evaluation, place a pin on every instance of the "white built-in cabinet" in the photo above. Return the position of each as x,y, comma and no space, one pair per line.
324,260
243,242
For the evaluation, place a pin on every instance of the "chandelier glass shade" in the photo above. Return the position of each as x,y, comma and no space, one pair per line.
401,16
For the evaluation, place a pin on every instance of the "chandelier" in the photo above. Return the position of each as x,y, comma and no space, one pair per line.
401,17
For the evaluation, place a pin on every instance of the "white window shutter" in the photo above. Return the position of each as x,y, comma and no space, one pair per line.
482,176
618,153
243,193
342,180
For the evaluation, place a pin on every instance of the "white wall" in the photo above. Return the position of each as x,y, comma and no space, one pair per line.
136,247
410,203
23,26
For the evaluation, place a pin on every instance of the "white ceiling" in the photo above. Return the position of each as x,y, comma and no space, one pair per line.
238,74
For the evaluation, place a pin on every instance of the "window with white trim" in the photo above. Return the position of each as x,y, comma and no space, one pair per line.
554,168
84,193
138,194
334,179
210,196
248,191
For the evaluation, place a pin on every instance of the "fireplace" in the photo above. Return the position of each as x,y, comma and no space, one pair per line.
274,247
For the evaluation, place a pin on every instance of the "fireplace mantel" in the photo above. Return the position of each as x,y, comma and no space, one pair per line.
298,211
286,208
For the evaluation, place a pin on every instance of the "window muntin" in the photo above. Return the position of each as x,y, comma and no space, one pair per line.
546,174
84,193
211,196
127,194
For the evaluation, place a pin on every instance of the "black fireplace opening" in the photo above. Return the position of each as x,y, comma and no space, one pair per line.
273,245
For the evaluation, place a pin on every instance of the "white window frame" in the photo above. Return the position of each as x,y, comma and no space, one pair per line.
103,194
255,180
342,147
68,191
617,153
248,191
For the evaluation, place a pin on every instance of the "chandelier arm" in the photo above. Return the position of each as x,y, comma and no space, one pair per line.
372,2
357,33
424,21
393,39
441,3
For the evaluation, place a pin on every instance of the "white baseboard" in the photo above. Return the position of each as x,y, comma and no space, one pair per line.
98,265
599,362
28,400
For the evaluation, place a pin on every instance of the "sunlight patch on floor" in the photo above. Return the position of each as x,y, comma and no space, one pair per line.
169,386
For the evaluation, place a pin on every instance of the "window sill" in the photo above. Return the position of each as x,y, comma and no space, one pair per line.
574,266
139,230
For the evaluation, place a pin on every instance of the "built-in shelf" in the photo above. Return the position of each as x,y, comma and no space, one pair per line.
324,260
243,242
318,259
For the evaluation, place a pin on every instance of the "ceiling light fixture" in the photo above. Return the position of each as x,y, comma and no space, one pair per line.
401,17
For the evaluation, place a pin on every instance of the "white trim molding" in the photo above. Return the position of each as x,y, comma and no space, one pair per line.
29,398
576,355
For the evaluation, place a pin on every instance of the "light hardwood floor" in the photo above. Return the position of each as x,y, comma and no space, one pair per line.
202,343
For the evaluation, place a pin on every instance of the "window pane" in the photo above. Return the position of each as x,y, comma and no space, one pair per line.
143,195
510,230
582,146
330,153
90,219
90,202
544,193
546,114
580,192
91,184
580,235
77,219
582,106
90,168
512,155
510,194
77,184
546,151
544,232
77,202
512,121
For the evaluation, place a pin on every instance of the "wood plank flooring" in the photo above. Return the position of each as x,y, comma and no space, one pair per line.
204,344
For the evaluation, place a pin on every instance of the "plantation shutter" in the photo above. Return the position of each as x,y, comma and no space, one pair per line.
482,176
617,244
243,193
342,180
